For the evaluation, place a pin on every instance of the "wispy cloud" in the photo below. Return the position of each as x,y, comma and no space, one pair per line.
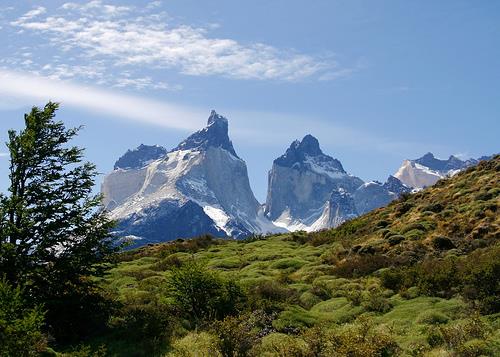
122,36
136,108
281,128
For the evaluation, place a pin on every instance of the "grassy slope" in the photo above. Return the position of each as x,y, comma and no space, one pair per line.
463,209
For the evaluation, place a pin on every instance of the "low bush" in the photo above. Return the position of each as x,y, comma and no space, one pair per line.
145,318
376,302
432,318
442,243
267,293
360,339
202,294
361,265
236,336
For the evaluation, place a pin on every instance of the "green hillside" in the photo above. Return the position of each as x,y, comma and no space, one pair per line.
419,277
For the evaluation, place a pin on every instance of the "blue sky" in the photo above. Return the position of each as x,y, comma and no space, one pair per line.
375,81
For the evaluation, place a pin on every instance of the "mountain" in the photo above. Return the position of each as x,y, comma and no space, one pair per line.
201,186
427,170
309,190
301,182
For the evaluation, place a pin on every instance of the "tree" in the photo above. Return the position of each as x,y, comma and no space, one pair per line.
54,234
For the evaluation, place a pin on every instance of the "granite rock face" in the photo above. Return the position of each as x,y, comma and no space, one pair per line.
201,186
372,195
301,182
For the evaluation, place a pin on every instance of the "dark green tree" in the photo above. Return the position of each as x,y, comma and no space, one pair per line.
54,234
20,325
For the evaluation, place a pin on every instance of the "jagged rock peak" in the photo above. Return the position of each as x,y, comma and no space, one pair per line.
302,151
215,134
310,145
395,185
217,119
430,161
140,156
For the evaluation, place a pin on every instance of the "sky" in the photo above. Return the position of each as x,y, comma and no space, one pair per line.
376,82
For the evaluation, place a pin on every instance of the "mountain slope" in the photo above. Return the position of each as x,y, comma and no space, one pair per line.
458,213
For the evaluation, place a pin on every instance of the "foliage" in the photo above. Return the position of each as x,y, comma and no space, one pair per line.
202,294
54,234
20,325
475,276
236,335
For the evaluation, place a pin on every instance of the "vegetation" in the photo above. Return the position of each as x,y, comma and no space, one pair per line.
54,238
417,278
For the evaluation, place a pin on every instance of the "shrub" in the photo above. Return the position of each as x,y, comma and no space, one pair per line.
376,302
437,277
202,294
396,239
145,318
442,243
279,344
434,337
482,280
414,234
474,348
434,207
392,279
360,339
195,345
361,265
268,292
236,336
20,325
457,334
355,297
403,208
300,237
432,318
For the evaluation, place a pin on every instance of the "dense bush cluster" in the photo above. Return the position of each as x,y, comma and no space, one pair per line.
476,277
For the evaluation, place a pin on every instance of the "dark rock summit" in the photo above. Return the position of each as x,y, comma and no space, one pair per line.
300,151
142,155
215,134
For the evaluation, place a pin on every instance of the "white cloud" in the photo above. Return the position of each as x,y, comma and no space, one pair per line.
121,37
4,154
136,108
